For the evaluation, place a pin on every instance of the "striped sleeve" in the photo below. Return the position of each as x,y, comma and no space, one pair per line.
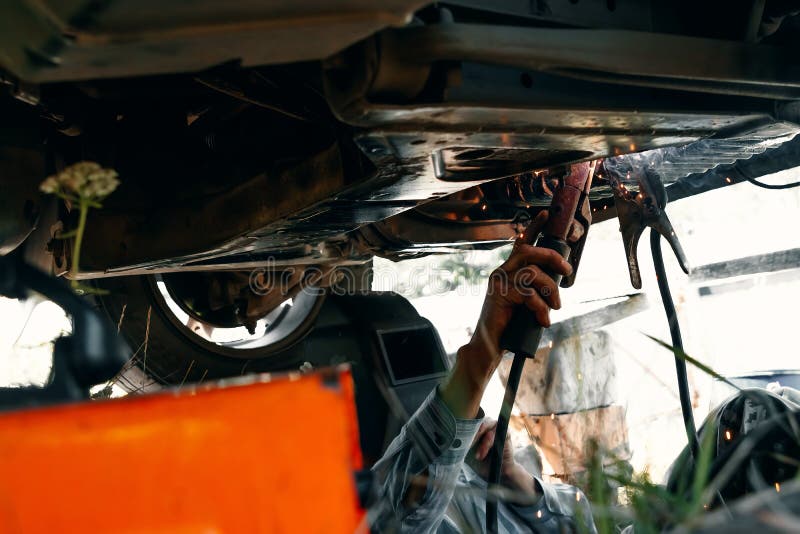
432,444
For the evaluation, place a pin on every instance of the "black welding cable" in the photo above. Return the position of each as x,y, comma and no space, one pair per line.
518,364
496,458
677,343
680,363
771,186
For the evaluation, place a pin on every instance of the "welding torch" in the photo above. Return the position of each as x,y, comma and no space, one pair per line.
565,232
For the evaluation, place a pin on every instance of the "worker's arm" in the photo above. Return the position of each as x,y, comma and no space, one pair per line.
520,281
418,473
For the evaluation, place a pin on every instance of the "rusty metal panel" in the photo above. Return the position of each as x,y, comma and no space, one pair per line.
252,457
58,40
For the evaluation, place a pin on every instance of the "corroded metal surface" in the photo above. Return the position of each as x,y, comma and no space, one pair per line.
80,39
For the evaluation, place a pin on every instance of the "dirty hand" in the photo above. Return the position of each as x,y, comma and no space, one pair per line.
521,280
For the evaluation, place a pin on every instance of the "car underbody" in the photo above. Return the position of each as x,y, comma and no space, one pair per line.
268,135
268,151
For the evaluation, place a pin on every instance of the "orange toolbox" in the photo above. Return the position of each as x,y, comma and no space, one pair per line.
263,454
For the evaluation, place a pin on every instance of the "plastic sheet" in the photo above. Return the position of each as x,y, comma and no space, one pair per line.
673,163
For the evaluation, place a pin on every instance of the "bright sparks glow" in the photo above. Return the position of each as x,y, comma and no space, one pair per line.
778,487
539,514
728,435
728,179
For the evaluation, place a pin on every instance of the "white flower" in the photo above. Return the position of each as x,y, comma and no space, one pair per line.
85,179
100,183
50,185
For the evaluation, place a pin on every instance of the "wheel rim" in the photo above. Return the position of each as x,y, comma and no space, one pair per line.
279,329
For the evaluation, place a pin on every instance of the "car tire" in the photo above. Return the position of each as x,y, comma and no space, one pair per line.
166,352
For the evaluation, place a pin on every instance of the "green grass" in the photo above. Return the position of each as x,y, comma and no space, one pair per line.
651,507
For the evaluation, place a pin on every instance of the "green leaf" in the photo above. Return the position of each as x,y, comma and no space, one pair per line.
679,353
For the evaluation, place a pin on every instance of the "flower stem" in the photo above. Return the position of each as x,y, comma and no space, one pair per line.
83,208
